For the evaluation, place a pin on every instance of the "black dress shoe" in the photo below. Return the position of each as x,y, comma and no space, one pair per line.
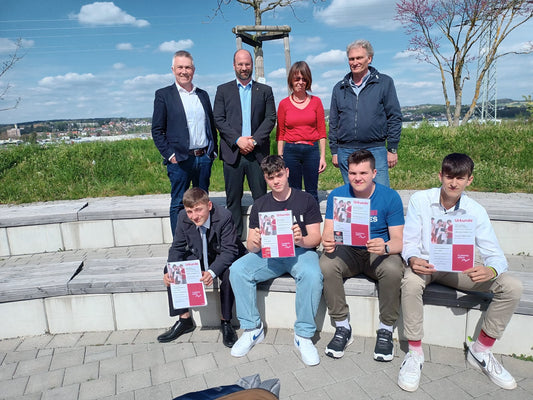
184,325
229,336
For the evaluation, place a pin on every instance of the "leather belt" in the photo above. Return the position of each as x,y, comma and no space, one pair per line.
308,142
198,152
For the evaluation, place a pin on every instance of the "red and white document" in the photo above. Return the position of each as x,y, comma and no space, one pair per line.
351,221
452,243
186,288
277,239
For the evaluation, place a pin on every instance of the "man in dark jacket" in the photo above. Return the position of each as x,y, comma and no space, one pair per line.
201,218
184,132
364,114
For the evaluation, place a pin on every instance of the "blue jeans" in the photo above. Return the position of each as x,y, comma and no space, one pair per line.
382,166
303,160
194,169
251,269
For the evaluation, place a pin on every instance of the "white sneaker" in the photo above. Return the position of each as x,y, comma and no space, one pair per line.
307,349
410,371
248,339
486,362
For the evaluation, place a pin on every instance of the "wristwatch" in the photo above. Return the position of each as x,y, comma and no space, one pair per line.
393,151
387,249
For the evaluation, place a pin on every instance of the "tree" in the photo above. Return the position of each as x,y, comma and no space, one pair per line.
259,7
6,66
444,33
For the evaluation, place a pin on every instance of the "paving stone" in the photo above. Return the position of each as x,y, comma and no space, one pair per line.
167,372
447,355
116,365
199,364
206,335
518,368
225,360
121,396
206,348
261,350
68,358
349,389
133,380
97,389
131,348
63,393
179,351
221,377
10,344
13,387
159,392
45,352
315,394
122,337
81,373
377,384
34,366
473,382
64,340
436,371
97,353
284,336
45,381
289,385
285,362
260,367
444,389
16,356
313,377
187,385
148,359
34,342
7,371
341,369
93,338
147,336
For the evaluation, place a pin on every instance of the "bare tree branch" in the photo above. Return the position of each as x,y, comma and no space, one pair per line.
12,59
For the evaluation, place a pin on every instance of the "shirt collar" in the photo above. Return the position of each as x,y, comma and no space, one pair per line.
182,90
207,223
239,84
363,82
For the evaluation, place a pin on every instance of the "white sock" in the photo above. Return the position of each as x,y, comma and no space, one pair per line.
387,327
344,324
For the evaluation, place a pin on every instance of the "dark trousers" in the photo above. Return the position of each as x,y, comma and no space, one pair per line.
234,178
195,170
227,299
303,161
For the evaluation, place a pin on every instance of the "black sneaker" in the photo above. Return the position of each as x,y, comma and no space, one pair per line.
342,339
384,347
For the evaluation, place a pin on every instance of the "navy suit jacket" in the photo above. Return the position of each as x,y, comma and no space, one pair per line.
228,119
169,124
223,245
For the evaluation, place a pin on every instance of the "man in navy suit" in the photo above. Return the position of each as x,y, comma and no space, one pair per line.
245,114
184,132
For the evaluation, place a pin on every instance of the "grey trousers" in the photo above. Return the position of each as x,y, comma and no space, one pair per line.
506,289
347,261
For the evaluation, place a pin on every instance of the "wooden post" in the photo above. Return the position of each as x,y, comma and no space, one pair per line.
287,58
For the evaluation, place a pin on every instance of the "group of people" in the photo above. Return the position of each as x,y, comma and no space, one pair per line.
365,126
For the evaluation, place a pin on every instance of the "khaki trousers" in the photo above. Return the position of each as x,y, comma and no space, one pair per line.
347,261
505,288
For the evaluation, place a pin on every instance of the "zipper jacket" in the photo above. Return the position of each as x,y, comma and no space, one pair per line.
372,119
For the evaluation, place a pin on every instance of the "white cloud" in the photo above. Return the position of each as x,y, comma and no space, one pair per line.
335,73
279,73
107,13
119,66
328,57
124,46
173,46
69,79
304,44
373,14
151,80
8,45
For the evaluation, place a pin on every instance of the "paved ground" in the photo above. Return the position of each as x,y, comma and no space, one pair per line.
130,365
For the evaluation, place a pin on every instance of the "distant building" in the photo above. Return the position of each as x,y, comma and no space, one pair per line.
13,133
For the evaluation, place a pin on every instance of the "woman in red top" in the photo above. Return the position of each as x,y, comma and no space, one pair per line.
301,132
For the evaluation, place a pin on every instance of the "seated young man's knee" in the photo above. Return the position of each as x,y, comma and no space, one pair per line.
510,285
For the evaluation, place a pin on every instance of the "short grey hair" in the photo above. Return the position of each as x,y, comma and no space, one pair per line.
365,44
182,53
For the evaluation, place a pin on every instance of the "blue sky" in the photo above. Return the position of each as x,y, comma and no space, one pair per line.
86,59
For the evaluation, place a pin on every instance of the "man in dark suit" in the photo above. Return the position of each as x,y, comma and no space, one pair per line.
184,132
201,219
245,114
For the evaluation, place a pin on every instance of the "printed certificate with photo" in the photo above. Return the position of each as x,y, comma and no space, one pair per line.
277,239
452,243
186,288
351,221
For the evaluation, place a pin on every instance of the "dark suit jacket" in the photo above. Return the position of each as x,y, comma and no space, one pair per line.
228,119
169,124
224,247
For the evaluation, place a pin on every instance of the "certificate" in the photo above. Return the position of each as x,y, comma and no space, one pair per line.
277,239
351,221
452,243
186,288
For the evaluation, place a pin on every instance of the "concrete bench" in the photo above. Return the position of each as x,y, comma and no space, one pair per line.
127,293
